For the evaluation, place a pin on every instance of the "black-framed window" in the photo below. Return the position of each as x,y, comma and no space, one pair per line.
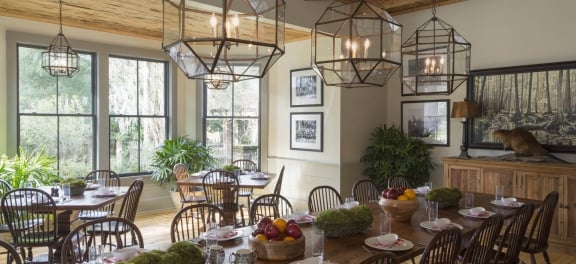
231,122
138,112
57,114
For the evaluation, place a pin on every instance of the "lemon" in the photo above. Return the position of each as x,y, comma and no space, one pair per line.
261,237
402,197
280,223
288,238
410,194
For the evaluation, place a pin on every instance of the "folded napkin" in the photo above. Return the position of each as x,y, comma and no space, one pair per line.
511,201
477,211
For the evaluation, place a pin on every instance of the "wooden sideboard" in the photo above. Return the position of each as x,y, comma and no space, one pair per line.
532,180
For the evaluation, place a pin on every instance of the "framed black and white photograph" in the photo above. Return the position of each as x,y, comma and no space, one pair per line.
427,120
306,88
306,131
539,98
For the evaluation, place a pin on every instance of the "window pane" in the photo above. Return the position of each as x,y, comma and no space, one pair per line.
76,156
124,137
152,136
37,132
219,139
247,98
36,88
246,139
75,94
219,102
123,86
151,87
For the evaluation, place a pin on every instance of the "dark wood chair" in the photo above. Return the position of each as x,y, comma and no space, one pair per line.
187,193
246,165
322,198
191,221
399,182
381,258
443,248
537,239
508,246
269,205
277,188
111,179
5,187
83,243
365,191
221,189
11,252
32,220
481,246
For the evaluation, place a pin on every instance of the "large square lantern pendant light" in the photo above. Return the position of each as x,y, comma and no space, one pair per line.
356,45
60,59
436,58
223,41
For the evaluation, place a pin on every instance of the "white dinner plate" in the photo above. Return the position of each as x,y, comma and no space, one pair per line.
510,205
431,226
484,215
400,244
259,177
233,235
306,219
312,260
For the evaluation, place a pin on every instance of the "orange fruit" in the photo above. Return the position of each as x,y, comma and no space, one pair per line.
281,224
410,194
402,197
288,238
261,237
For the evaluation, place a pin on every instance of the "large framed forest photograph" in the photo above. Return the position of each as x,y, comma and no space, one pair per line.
538,97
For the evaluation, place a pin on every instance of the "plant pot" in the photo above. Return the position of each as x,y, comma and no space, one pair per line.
400,210
76,191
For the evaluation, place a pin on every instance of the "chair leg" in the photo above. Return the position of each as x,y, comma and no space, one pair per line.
532,258
546,257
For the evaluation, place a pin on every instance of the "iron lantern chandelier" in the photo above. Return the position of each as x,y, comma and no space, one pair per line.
60,59
356,45
436,58
226,41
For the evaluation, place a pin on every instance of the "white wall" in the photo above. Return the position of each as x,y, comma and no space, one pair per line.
502,33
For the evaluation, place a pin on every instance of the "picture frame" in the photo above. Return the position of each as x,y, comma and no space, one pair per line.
306,88
537,97
427,120
422,64
306,131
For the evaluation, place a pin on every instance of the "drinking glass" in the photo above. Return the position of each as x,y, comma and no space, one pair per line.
94,254
385,223
318,243
499,193
468,200
429,185
432,207
348,202
210,235
65,192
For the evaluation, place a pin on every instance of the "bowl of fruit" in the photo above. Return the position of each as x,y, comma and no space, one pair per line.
277,239
399,202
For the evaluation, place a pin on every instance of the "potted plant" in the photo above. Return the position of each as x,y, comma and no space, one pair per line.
77,186
393,153
179,150
37,168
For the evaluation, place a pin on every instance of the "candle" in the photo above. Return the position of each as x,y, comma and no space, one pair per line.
213,24
354,49
366,46
442,64
348,45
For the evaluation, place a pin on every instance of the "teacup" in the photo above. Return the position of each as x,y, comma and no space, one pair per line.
213,253
243,256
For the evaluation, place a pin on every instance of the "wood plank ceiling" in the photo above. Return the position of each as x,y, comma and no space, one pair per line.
143,18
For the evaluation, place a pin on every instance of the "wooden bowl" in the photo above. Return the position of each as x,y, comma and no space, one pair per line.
400,211
278,250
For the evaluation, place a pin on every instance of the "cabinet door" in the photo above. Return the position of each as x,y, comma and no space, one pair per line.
493,177
537,186
464,178
568,206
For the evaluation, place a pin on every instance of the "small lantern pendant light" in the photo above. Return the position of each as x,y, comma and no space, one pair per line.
60,59
436,58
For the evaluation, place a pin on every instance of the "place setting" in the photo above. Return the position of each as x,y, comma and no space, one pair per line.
440,225
387,240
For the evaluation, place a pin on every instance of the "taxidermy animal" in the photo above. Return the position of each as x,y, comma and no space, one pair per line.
521,141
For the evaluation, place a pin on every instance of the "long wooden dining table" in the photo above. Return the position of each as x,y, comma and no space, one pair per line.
244,180
352,249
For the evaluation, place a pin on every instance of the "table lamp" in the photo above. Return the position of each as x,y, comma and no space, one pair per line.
464,110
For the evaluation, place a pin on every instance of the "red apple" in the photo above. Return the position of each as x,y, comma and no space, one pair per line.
385,193
257,232
291,221
294,230
392,194
264,222
271,231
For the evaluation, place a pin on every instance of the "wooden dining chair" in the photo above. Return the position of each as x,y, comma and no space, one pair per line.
509,245
221,189
365,191
112,180
246,165
187,193
480,249
443,248
269,205
191,221
399,182
537,239
83,243
381,258
322,198
5,187
32,220
12,255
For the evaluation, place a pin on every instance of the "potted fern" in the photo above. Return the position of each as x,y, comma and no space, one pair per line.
393,153
38,168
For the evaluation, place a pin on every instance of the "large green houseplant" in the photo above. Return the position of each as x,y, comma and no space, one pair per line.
36,167
393,153
179,150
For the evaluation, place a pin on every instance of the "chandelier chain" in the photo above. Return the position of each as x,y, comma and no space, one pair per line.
60,6
434,2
